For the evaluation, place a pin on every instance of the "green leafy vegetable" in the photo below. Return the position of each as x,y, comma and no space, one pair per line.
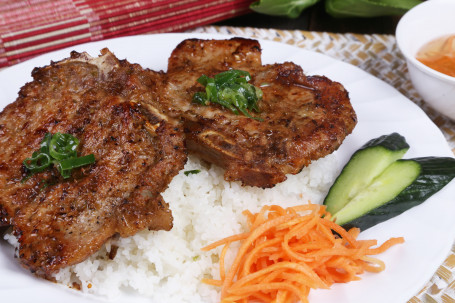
368,8
192,172
336,8
288,8
59,150
231,90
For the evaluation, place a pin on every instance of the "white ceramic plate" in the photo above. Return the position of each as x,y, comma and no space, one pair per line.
429,229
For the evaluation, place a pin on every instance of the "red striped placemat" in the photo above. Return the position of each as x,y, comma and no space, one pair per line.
32,27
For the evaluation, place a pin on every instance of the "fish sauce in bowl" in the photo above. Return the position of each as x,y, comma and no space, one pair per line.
439,54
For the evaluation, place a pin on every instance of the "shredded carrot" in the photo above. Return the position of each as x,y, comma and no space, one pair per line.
289,251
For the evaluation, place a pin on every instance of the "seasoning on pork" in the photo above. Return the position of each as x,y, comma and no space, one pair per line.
303,117
108,105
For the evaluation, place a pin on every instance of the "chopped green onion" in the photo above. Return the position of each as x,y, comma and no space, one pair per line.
38,162
45,143
191,172
66,173
231,90
63,146
58,149
77,162
65,166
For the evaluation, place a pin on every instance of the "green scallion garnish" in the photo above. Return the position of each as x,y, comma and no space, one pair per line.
59,150
63,146
192,172
231,90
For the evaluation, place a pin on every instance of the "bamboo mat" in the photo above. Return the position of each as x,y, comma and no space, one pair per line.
379,56
32,27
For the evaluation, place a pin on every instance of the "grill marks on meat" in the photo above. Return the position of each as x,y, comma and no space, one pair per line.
196,54
109,106
304,118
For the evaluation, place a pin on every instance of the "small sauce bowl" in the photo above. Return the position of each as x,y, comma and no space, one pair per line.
425,22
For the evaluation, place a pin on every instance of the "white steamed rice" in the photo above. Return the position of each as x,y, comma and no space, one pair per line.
168,266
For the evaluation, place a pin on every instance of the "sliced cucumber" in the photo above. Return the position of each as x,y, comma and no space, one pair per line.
401,186
365,165
396,177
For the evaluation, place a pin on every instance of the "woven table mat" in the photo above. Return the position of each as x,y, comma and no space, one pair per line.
379,56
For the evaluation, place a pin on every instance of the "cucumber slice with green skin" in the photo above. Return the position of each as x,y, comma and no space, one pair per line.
365,165
402,185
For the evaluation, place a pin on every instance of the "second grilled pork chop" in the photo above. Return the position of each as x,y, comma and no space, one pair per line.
60,222
304,117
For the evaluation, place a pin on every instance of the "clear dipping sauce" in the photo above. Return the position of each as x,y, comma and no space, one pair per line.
439,54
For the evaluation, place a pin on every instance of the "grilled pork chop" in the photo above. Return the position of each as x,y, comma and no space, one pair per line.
304,117
109,106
